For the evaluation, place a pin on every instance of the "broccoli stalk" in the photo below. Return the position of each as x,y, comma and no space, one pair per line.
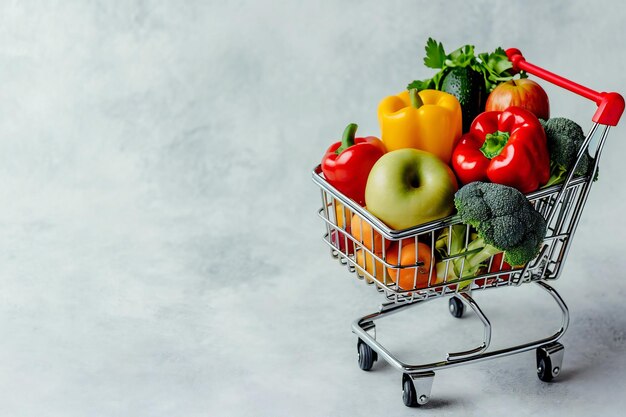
451,241
477,252
475,261
504,220
565,138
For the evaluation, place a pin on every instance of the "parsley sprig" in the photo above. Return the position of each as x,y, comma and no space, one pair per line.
495,67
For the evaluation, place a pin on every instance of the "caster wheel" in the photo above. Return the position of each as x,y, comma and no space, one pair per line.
366,356
409,397
416,389
457,308
549,361
544,369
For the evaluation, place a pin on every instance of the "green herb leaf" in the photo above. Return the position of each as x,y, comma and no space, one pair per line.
435,54
421,85
462,57
495,66
498,61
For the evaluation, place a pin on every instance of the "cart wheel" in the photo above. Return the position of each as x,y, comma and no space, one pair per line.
416,388
409,397
544,369
457,308
549,361
366,356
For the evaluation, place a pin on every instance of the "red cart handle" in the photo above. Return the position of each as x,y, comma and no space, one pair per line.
610,105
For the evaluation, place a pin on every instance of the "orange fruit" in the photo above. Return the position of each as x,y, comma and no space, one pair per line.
340,211
363,232
366,262
406,277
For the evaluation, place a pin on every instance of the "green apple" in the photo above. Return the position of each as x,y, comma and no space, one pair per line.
407,187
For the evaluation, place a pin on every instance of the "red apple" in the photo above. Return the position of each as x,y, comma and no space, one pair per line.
523,93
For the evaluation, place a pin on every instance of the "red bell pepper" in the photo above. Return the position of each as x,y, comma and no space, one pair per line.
347,164
506,147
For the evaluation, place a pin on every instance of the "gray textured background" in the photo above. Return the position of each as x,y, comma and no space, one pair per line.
160,250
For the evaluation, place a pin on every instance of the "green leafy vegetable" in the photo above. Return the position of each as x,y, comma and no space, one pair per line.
421,85
435,54
495,67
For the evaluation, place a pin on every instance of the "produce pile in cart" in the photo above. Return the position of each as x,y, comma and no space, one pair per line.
468,143
473,184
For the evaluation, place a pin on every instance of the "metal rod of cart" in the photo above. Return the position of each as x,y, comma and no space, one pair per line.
561,206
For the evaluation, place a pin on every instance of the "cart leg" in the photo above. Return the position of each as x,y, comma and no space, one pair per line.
549,361
369,327
416,388
465,297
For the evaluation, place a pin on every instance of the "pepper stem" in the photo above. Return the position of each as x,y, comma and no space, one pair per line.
416,100
494,143
347,139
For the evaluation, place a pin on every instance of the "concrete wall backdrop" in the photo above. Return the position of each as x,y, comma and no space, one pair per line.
160,252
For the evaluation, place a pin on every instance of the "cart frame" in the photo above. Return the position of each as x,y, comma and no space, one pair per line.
561,205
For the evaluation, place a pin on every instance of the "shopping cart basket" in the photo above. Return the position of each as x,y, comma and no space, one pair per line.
561,206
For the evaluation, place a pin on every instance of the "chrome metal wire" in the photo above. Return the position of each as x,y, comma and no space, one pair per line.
380,254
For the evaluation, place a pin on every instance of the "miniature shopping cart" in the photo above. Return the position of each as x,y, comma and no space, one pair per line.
561,206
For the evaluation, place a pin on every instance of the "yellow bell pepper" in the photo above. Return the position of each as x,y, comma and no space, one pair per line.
429,120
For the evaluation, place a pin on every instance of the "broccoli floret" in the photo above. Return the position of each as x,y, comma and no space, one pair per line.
503,218
565,138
